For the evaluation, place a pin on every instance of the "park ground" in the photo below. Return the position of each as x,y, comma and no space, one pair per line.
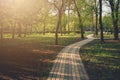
32,57
102,60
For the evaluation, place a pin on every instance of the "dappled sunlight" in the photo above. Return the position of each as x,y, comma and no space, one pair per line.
43,51
63,74
112,49
5,77
103,59
69,56
33,33
115,41
47,60
30,57
68,64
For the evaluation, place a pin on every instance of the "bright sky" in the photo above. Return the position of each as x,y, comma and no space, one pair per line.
106,9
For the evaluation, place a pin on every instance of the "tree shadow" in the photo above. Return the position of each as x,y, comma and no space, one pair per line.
24,60
102,60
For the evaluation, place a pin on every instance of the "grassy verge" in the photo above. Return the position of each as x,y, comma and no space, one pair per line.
108,36
31,57
102,60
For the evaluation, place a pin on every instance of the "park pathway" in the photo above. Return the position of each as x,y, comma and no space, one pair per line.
68,64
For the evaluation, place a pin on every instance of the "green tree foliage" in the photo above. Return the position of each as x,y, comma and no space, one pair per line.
114,6
107,23
93,10
18,17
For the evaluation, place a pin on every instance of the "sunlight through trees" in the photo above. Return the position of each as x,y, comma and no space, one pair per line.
23,17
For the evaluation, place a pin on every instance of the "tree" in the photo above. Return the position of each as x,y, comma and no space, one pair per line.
100,21
45,11
96,12
68,16
2,16
93,5
79,17
64,23
60,6
114,6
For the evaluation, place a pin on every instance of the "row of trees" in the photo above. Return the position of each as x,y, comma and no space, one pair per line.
57,16
93,7
23,16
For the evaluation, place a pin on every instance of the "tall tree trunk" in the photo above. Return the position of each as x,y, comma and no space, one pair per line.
58,26
114,5
64,29
60,12
100,22
96,15
1,32
19,30
82,32
44,28
96,28
68,18
80,20
25,32
61,30
116,31
31,30
93,23
13,32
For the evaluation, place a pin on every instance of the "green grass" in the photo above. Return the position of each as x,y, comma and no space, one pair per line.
110,36
30,57
49,38
102,60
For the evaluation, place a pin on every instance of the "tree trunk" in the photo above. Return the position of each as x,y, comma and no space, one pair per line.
100,21
13,32
82,32
31,30
64,29
25,32
96,28
93,23
68,19
116,31
61,30
114,5
44,29
60,12
1,32
19,31
58,26
96,15
64,26
80,21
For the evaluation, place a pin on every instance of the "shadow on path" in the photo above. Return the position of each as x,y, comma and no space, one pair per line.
68,64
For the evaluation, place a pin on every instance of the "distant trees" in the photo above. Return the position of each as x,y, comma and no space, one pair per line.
19,17
94,11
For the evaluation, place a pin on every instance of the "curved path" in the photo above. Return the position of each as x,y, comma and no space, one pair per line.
68,64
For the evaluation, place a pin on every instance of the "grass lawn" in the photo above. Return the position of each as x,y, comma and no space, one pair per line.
107,36
102,61
31,57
